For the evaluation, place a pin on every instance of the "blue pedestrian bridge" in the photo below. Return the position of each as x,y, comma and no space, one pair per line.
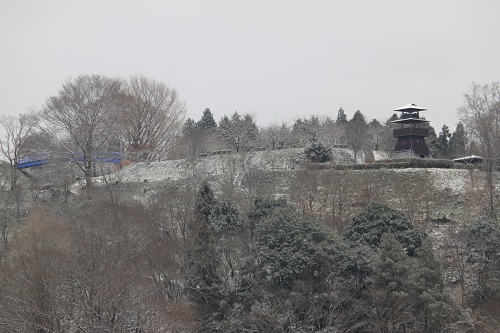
34,160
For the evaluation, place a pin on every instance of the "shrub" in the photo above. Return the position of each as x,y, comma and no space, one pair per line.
317,152
292,246
376,220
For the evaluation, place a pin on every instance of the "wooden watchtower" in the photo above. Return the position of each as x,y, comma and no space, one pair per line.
411,131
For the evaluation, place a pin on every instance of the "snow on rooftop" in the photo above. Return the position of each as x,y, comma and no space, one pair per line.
410,107
469,159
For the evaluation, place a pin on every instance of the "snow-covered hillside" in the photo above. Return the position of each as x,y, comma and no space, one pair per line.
455,180
283,160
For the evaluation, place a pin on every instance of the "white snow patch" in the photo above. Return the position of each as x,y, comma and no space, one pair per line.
380,155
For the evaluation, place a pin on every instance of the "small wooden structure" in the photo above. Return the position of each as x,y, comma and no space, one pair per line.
411,130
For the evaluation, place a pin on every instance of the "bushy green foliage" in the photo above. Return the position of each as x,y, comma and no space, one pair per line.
207,121
371,224
482,249
458,141
407,292
399,277
205,202
483,240
203,259
358,117
210,255
427,284
317,152
292,246
263,208
443,142
225,217
189,127
391,265
221,216
297,264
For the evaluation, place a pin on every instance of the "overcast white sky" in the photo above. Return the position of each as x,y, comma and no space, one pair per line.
277,59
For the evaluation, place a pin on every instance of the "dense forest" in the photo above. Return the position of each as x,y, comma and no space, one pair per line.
281,233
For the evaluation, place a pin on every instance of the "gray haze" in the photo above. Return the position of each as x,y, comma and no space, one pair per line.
275,59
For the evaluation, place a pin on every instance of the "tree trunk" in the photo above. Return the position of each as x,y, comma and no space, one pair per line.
88,175
13,176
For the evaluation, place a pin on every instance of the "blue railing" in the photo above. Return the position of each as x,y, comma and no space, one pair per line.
35,160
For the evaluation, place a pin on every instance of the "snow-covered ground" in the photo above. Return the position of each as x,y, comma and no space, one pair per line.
154,171
455,180
277,160
380,155
287,159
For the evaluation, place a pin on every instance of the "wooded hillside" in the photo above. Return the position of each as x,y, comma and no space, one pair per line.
239,243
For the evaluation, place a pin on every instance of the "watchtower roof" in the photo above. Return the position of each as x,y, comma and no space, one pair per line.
410,108
412,120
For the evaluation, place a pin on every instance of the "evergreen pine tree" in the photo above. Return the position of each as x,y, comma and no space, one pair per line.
317,152
392,304
341,117
358,118
392,118
458,142
368,227
432,141
207,121
238,131
443,142
204,282
189,127
425,282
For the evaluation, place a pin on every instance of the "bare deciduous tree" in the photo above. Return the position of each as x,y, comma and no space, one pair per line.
197,141
79,118
31,291
341,185
356,134
17,129
111,269
307,130
481,115
152,118
306,192
380,137
277,135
